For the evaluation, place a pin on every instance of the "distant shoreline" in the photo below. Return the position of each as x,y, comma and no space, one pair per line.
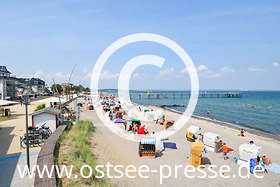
231,125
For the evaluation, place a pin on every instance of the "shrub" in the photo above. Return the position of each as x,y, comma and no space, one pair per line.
40,107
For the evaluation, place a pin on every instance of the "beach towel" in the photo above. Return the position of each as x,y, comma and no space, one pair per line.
169,145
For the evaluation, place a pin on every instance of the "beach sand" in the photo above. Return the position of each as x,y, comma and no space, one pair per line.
109,147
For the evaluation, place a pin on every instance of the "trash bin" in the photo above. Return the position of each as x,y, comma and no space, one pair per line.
7,112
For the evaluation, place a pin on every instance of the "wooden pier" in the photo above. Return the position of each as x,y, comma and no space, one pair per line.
177,95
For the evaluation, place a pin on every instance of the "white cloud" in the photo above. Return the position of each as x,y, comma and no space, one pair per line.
37,74
199,68
276,64
202,68
107,75
204,71
209,74
136,76
186,70
227,70
167,71
254,69
214,75
87,76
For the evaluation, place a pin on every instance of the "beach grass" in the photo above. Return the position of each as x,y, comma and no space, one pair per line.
73,148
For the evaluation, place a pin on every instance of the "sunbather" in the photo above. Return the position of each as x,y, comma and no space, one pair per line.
266,160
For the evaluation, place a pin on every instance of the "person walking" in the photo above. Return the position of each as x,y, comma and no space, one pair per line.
225,151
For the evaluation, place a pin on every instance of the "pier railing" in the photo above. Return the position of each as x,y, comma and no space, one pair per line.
176,95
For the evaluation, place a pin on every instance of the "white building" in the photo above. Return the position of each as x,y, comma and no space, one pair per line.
7,84
10,86
48,116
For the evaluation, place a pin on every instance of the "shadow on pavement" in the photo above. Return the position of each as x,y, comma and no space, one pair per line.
8,165
6,139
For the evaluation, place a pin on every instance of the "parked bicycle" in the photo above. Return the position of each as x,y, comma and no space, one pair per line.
36,136
34,139
46,130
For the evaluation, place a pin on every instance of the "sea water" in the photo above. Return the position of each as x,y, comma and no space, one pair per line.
259,110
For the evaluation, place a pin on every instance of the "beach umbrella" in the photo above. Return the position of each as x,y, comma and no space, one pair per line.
119,121
135,120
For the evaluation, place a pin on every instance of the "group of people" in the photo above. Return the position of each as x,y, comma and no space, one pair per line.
115,111
262,160
113,108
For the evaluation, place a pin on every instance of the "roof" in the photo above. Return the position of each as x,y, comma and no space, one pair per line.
148,141
6,102
47,110
3,69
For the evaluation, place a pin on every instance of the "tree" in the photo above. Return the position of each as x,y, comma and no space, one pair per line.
87,89
57,88
40,107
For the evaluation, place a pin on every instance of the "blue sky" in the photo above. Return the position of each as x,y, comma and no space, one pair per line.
233,44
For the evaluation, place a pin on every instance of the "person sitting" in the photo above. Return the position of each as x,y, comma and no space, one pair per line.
135,127
266,160
130,127
219,145
262,163
242,132
125,124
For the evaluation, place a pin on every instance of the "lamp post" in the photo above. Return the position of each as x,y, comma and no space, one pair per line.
26,103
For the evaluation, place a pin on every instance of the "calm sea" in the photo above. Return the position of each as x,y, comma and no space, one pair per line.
259,110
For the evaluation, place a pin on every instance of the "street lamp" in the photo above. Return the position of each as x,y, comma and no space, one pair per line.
26,103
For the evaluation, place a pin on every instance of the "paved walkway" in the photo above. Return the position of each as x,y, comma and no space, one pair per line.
9,174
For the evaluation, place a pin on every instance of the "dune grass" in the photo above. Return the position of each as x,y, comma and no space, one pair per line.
73,148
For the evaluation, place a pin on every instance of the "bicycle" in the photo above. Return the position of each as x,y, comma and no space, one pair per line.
34,139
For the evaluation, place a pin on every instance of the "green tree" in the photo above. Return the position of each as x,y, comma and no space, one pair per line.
57,88
87,89
40,107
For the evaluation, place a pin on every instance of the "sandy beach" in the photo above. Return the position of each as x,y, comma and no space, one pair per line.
109,147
